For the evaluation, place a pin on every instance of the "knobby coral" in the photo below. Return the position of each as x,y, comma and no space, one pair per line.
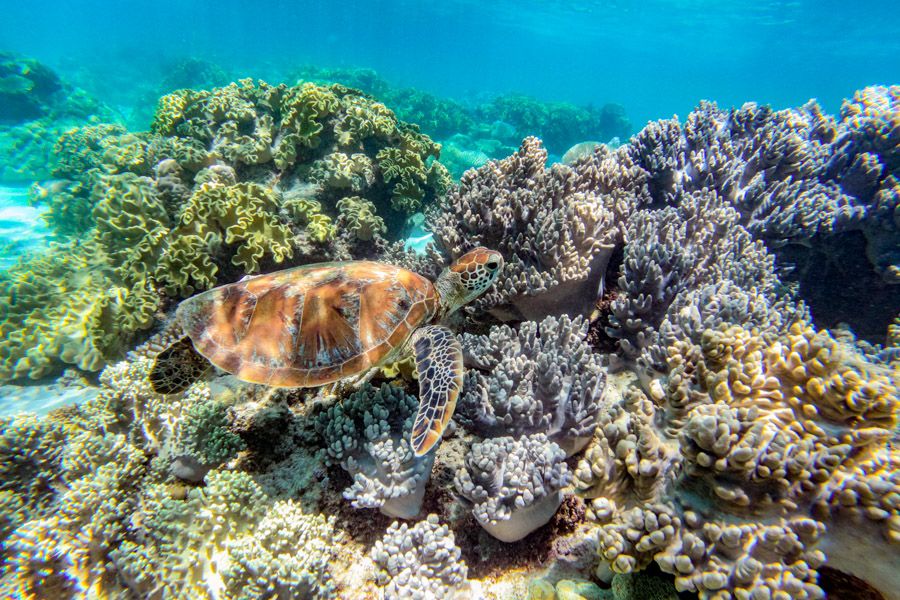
754,457
541,378
515,485
420,562
368,435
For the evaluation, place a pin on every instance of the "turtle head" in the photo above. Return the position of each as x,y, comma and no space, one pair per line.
468,277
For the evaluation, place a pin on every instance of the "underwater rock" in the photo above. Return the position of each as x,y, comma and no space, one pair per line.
579,151
515,485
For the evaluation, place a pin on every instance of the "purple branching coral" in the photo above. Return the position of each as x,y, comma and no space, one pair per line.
541,378
556,228
794,175
515,485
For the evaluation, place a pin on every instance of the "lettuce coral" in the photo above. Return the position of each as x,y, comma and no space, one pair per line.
228,182
243,217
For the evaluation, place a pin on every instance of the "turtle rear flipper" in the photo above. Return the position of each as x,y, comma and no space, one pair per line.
439,363
177,367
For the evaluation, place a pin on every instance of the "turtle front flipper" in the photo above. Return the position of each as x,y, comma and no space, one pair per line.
439,363
177,367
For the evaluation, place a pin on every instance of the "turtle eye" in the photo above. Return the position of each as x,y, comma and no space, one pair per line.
492,264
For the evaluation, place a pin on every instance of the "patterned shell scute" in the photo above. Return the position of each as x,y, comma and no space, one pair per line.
309,325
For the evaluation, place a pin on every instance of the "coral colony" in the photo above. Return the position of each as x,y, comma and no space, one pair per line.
650,401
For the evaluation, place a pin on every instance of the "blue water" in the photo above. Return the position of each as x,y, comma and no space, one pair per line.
656,57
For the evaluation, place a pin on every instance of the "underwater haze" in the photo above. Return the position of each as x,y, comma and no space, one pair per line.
588,300
657,58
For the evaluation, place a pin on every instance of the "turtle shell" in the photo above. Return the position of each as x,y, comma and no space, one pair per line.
309,325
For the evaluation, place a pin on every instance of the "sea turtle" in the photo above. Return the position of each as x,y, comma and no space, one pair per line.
316,324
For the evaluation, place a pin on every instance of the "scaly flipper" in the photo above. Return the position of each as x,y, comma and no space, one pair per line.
177,367
439,362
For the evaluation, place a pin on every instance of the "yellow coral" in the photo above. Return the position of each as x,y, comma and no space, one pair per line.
243,216
359,217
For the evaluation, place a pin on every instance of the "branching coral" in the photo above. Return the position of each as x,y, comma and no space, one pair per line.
556,228
793,175
368,435
515,485
673,253
542,378
287,555
419,562
62,536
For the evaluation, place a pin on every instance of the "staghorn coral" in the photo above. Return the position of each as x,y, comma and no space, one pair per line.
368,435
62,546
756,458
419,562
515,485
542,378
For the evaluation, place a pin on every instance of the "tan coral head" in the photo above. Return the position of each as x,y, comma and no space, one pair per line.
468,277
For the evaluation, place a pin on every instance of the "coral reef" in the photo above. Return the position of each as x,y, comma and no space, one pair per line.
368,435
657,305
541,378
515,485
557,233
36,107
558,124
230,181
806,184
736,477
421,561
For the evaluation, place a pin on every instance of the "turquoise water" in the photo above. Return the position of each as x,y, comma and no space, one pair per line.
402,299
656,58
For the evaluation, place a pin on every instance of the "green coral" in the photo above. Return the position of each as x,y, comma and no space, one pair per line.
358,216
203,433
244,546
56,308
286,556
308,214
243,217
239,178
